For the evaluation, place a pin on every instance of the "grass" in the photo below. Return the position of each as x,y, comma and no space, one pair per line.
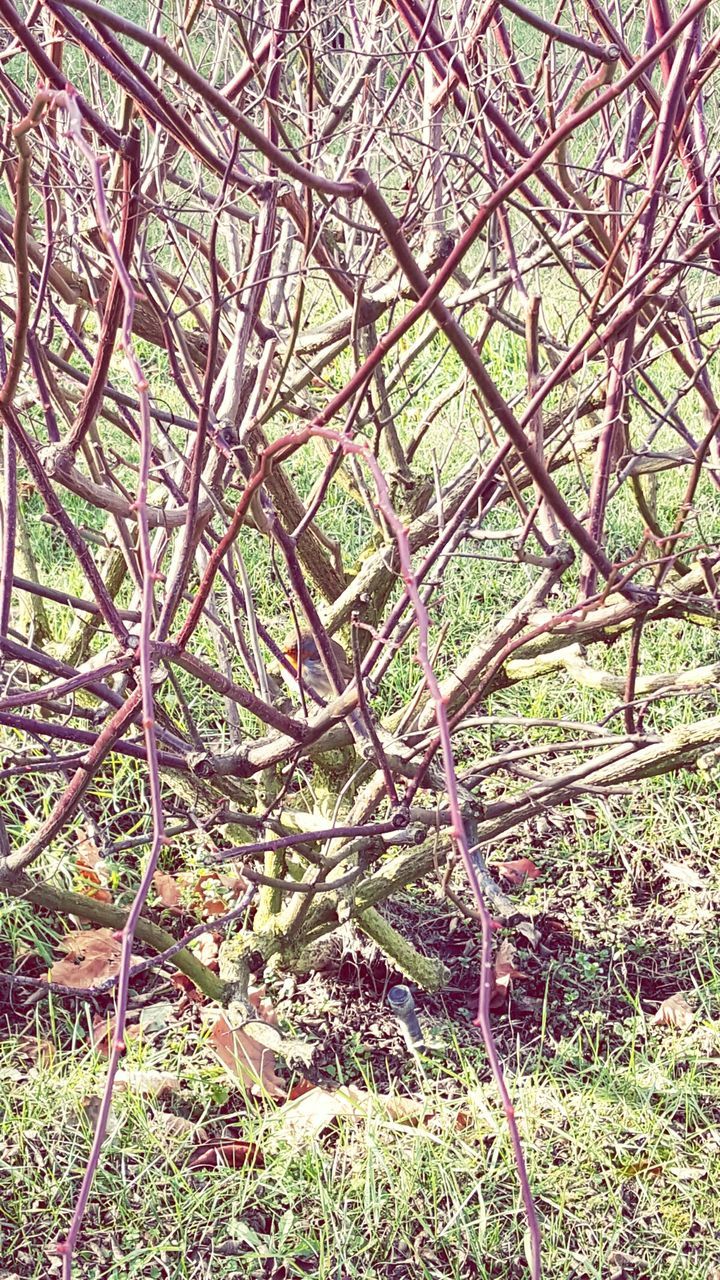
620,1119
622,1142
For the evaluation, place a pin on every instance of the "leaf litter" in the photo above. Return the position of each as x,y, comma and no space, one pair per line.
249,1061
234,1154
92,870
148,1084
248,1049
504,972
517,870
315,1110
673,1012
167,889
684,874
92,956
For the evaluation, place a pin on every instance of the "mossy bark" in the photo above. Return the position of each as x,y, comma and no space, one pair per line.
32,608
106,914
269,899
425,971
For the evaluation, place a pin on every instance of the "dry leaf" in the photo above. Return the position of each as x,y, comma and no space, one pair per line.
167,889
685,874
518,870
247,1059
149,1084
89,890
623,1266
88,854
529,932
34,1052
212,893
307,1116
688,1173
90,1109
92,870
207,947
503,973
103,1033
270,1037
463,1120
213,908
190,993
260,1001
302,1086
223,1155
99,894
177,1128
93,955
403,1110
673,1012
154,1018
265,1031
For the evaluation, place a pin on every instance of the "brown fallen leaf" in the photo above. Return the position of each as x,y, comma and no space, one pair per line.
212,893
34,1052
149,1084
504,971
92,956
99,894
624,1265
251,1062
190,994
685,874
103,1033
167,889
271,1037
303,1086
223,1155
673,1012
90,1109
88,854
207,948
177,1128
259,1000
463,1120
529,932
92,870
403,1110
88,1113
307,1116
213,908
517,870
688,1173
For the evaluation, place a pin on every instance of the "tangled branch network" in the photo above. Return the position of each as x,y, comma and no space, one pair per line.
386,322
